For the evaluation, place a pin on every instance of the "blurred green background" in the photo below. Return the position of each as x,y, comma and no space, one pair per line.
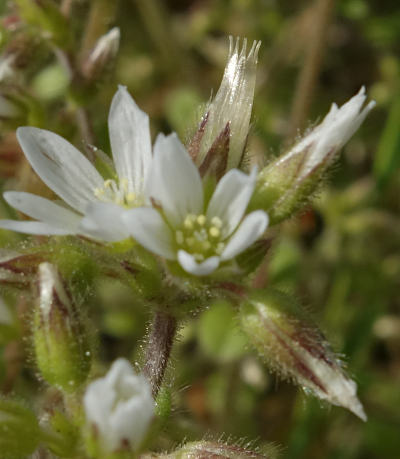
340,257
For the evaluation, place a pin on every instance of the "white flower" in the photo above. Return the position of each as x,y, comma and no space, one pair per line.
233,101
331,134
77,182
120,407
198,234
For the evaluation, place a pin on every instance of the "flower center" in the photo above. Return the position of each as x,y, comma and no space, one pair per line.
117,194
200,237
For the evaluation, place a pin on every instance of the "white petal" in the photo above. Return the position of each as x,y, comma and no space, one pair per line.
103,221
175,181
120,369
38,228
98,402
190,265
61,166
231,198
131,418
148,227
334,131
43,210
130,140
251,228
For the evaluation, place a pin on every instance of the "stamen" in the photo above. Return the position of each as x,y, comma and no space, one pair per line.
217,222
214,232
188,223
200,236
201,220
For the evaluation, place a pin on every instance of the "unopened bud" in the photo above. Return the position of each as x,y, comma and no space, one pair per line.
102,56
60,341
7,69
211,449
19,429
231,105
119,408
285,185
294,347
17,269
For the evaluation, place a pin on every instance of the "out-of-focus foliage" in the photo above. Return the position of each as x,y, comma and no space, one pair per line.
341,256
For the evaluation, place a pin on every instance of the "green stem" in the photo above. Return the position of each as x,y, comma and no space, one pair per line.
160,341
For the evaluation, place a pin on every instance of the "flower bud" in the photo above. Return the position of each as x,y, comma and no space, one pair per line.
231,106
19,429
17,269
294,347
210,449
286,184
102,55
7,70
119,408
60,341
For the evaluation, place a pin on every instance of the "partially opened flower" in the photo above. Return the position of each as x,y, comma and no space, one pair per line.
77,182
182,225
119,408
285,185
231,107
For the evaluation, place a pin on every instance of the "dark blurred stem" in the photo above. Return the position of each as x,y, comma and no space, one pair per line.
155,17
82,116
85,129
160,341
311,67
101,16
65,7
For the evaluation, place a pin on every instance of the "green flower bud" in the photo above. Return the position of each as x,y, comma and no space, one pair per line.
285,185
102,55
231,106
294,347
17,269
210,449
60,341
19,430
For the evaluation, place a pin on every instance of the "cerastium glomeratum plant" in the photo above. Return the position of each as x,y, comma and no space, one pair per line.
182,226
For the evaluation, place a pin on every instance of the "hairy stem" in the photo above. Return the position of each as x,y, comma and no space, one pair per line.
160,340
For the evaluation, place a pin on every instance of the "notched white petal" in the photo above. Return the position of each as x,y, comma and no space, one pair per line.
130,140
189,264
44,210
175,181
31,227
61,166
148,227
251,228
231,197
103,221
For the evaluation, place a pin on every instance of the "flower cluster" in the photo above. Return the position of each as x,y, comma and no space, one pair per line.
195,209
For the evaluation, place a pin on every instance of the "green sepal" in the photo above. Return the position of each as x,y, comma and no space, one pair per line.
19,430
